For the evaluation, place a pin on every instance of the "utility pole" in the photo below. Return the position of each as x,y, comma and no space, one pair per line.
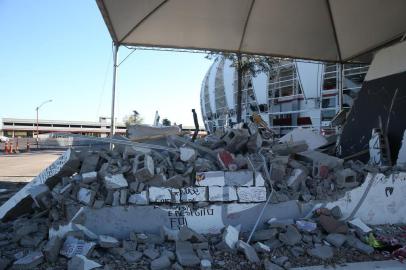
37,109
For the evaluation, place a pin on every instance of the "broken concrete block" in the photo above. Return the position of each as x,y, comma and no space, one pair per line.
164,195
39,193
222,194
143,167
80,262
296,179
266,234
115,181
89,177
90,163
336,239
205,264
242,178
359,225
106,241
30,261
287,148
316,157
123,196
235,139
139,198
176,181
321,252
17,205
74,246
151,253
187,234
230,237
187,154
249,251
186,255
86,196
259,180
212,178
134,186
132,256
359,245
51,249
88,233
261,248
251,194
116,198
193,194
169,234
161,263
346,178
277,172
291,237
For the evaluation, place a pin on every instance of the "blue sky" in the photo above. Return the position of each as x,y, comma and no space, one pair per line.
61,50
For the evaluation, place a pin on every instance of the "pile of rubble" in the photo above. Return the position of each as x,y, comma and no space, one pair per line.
60,219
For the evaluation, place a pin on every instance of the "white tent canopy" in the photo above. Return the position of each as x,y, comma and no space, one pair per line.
327,30
330,30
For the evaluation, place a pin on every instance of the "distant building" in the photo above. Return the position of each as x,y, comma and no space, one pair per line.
293,94
17,127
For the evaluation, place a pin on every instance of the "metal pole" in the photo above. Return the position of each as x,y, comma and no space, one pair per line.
37,127
113,98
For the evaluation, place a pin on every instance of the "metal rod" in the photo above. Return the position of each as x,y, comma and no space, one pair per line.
113,98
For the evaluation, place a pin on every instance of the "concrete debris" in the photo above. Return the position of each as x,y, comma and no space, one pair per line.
80,262
179,206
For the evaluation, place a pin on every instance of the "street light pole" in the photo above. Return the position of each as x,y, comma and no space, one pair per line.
37,109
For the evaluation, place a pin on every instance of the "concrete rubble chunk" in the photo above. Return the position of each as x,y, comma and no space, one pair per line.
161,263
296,179
265,234
259,180
205,264
106,241
251,194
74,246
280,223
176,181
235,139
143,167
287,148
241,178
90,163
185,254
164,195
86,196
230,237
212,178
187,154
359,245
222,194
336,239
66,165
115,181
271,266
151,253
139,198
123,196
248,251
346,178
89,177
336,212
88,233
318,158
132,256
261,248
80,262
291,237
29,261
51,249
169,234
187,234
361,226
277,172
193,194
321,252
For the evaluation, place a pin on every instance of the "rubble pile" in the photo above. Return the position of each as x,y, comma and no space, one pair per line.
42,224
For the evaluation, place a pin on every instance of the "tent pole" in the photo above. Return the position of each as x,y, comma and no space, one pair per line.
113,97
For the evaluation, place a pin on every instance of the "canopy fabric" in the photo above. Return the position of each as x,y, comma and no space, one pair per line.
329,30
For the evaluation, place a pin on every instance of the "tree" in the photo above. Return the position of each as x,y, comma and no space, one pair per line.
133,119
246,65
166,122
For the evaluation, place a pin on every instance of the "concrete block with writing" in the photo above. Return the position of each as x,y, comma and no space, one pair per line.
251,194
164,195
222,194
193,194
